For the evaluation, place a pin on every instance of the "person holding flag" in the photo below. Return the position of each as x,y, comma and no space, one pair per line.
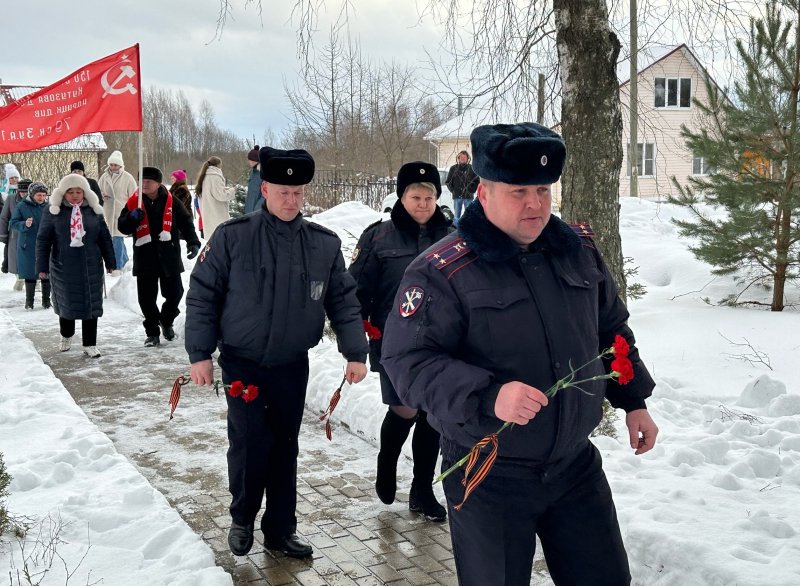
157,222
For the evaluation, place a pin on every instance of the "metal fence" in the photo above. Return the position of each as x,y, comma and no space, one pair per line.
331,187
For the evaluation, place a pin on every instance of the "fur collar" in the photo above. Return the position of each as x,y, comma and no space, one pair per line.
493,245
405,223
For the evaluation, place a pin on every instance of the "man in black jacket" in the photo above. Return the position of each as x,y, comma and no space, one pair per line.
78,168
462,183
485,322
157,227
260,292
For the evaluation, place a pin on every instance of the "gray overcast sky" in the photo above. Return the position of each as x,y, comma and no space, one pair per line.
241,74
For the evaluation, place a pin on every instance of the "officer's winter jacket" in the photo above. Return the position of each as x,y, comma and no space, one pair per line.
476,311
261,289
76,272
160,258
384,251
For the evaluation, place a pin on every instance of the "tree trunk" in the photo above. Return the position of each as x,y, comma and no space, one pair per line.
591,124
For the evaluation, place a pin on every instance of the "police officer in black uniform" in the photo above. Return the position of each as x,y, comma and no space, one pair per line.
384,251
260,292
483,323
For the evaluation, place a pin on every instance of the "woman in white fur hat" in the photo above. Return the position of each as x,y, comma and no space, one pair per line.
117,186
72,245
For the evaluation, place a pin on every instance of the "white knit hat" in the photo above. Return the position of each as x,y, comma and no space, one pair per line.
115,159
68,182
11,171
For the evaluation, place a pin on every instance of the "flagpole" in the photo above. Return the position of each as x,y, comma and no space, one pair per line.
141,167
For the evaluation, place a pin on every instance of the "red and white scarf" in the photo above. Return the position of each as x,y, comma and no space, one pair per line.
76,231
143,229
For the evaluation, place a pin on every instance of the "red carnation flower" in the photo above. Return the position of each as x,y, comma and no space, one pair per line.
373,333
624,369
620,346
236,388
250,394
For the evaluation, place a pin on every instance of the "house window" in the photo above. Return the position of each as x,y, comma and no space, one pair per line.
700,166
646,159
673,92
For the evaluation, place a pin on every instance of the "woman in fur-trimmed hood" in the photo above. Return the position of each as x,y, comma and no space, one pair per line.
72,246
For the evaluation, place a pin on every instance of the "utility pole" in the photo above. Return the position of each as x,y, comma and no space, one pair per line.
633,142
540,101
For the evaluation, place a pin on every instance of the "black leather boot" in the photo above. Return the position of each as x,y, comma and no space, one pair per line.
240,538
394,432
46,294
30,290
425,450
292,545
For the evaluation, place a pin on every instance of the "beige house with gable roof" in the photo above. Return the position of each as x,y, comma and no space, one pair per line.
666,88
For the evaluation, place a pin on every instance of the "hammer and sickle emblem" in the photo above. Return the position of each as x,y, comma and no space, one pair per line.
124,72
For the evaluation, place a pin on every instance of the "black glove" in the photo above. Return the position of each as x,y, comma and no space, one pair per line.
192,250
136,214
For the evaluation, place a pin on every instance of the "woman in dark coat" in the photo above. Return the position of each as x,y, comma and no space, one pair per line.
384,251
180,191
26,219
72,243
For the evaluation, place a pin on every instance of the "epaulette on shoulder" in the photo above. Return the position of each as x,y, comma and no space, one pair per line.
322,228
584,230
447,255
236,220
372,225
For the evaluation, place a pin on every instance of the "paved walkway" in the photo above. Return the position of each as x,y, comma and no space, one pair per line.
357,540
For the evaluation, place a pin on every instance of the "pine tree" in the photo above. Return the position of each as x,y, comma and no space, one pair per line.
752,148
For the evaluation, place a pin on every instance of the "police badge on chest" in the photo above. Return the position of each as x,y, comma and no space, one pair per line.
315,289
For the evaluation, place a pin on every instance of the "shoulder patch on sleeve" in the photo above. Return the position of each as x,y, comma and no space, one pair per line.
411,300
584,230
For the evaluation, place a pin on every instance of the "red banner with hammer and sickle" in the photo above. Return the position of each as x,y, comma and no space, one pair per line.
102,96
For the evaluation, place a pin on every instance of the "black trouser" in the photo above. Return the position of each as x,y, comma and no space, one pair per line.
88,330
494,533
147,292
263,443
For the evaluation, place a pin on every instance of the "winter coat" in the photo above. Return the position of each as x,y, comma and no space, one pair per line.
95,186
26,243
7,235
182,194
76,273
477,311
116,191
214,200
462,181
160,258
382,255
261,289
254,198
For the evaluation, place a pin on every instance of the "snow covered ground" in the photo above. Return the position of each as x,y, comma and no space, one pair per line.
714,503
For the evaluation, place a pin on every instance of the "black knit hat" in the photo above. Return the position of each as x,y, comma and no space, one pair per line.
520,154
152,173
253,154
418,172
76,165
294,167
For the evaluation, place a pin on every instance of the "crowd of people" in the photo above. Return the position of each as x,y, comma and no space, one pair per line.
466,325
